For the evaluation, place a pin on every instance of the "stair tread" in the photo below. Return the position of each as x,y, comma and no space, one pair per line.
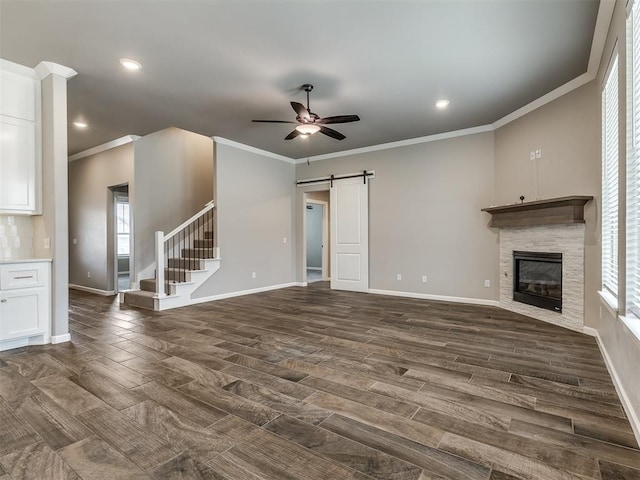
140,293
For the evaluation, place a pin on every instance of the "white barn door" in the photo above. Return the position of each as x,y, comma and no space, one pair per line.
350,235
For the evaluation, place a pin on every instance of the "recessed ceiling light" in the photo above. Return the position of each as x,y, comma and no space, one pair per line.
130,64
442,104
81,124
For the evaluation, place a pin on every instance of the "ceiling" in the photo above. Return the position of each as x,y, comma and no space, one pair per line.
211,66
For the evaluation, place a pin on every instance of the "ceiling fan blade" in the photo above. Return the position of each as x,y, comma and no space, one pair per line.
339,119
301,110
332,133
292,135
273,121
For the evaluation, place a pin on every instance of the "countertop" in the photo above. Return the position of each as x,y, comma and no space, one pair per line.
24,260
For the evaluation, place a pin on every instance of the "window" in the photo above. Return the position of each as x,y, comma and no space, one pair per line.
610,181
122,223
633,167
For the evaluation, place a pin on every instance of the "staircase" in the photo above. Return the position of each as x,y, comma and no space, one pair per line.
187,256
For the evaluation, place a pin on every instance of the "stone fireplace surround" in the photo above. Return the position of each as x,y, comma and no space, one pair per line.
566,239
550,226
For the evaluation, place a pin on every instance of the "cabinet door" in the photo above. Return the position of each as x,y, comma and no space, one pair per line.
22,313
17,96
17,165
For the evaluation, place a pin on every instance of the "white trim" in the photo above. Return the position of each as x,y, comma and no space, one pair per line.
632,323
44,69
248,148
592,332
400,143
609,301
61,338
104,147
240,293
438,298
632,415
603,20
104,293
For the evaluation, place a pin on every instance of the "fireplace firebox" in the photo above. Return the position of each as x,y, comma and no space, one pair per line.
537,279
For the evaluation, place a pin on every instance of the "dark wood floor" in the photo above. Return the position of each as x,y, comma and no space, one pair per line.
306,383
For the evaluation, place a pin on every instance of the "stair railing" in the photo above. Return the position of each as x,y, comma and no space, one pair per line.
179,241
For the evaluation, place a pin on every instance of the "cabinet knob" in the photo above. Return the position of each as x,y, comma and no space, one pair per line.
4,300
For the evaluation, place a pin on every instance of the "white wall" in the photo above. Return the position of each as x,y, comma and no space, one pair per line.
424,216
254,198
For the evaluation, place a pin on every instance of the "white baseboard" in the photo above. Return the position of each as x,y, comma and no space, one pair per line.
104,293
61,338
240,293
632,415
439,298
592,332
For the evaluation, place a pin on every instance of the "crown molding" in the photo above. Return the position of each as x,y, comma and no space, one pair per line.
401,143
104,147
44,69
248,148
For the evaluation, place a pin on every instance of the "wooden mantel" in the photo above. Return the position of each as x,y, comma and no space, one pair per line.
541,212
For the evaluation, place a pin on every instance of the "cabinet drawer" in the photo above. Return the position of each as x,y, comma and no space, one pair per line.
24,275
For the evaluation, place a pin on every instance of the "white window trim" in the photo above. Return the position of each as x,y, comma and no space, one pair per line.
613,62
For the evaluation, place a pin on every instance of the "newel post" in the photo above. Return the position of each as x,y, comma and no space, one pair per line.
160,265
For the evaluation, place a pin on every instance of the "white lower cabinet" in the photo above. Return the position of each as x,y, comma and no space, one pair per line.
25,312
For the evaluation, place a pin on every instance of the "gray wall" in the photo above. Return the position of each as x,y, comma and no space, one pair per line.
173,169
424,215
622,345
254,216
568,132
91,214
314,236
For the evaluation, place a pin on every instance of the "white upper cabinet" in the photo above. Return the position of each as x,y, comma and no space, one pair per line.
17,96
20,139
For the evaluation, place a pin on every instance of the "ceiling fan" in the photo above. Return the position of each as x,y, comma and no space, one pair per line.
310,123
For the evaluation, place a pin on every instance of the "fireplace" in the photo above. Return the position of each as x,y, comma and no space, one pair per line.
537,279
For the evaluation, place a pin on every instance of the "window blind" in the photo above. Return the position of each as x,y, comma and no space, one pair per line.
610,181
633,169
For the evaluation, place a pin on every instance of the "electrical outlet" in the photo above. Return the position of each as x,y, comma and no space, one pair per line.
47,243
539,153
284,240
398,276
532,155
424,279
74,241
487,283
253,274
88,274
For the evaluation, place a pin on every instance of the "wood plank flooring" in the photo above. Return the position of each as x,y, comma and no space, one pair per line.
309,383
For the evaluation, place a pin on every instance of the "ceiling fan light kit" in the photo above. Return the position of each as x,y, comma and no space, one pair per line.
310,123
308,129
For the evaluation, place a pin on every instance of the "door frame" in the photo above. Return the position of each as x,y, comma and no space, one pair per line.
116,194
325,236
310,185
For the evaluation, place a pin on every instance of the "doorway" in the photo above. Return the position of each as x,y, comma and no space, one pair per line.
123,238
317,236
